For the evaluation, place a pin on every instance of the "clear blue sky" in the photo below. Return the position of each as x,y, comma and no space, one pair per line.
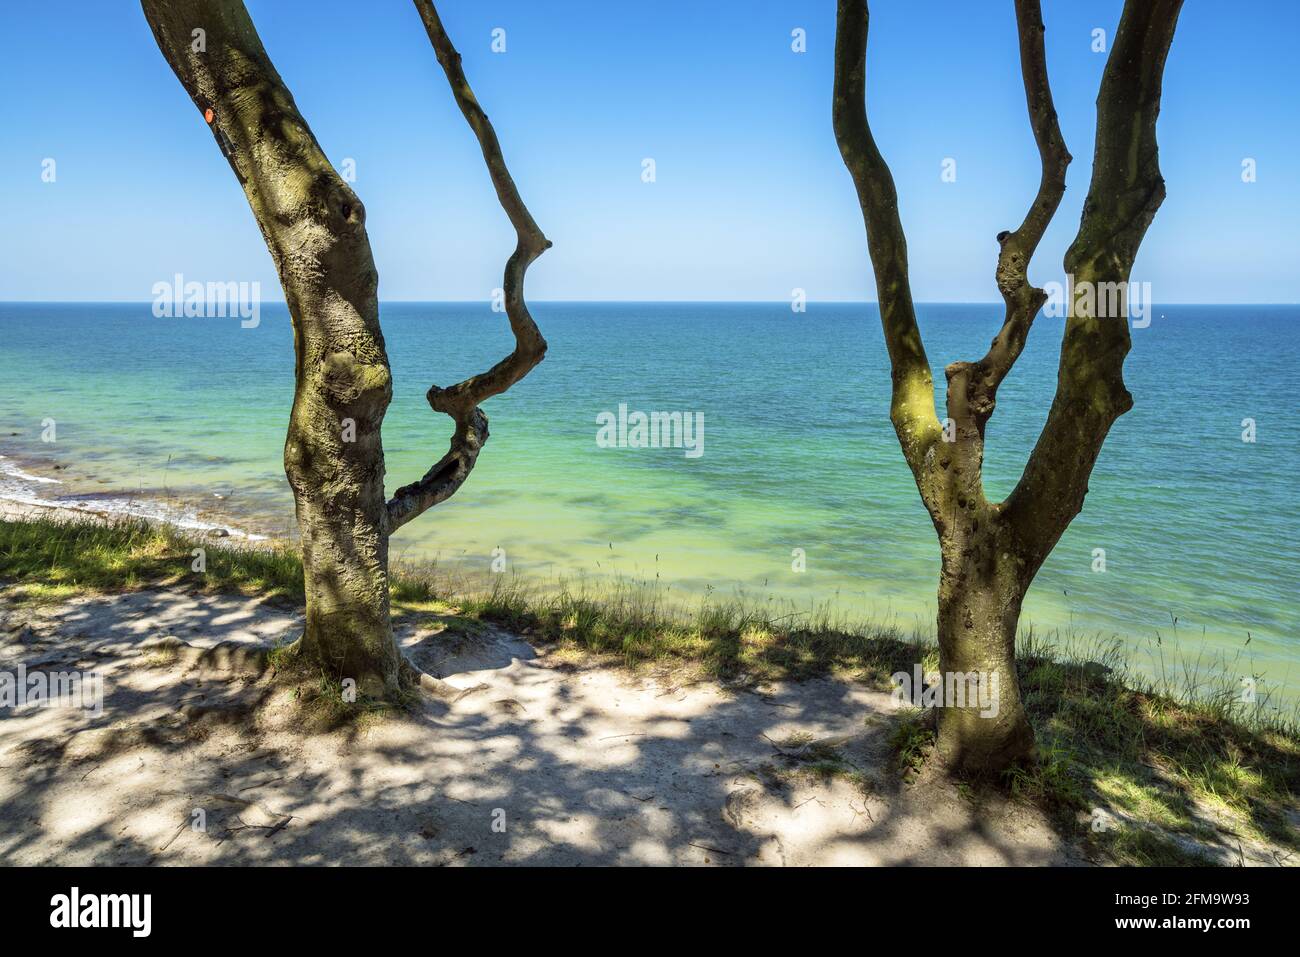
751,199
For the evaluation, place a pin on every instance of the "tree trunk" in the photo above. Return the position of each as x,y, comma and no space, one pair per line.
314,226
991,552
980,595
334,459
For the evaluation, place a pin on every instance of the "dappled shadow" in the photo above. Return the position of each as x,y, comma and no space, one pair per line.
1180,780
545,760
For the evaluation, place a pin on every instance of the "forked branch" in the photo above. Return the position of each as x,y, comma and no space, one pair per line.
1125,192
461,401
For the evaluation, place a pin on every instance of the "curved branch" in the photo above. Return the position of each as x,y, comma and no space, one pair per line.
912,407
972,387
461,400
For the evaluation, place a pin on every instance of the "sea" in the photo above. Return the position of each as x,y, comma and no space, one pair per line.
776,477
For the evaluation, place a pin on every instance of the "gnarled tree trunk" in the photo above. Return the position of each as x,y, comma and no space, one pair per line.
992,551
314,227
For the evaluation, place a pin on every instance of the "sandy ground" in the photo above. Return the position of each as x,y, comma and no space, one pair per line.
544,762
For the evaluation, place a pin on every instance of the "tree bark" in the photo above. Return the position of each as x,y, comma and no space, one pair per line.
980,594
461,401
992,551
314,226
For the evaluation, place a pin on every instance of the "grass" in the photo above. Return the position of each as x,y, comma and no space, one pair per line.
1164,758
56,559
911,740
637,624
1169,755
802,758
327,705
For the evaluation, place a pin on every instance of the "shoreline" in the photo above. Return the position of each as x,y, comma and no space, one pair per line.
20,482
518,601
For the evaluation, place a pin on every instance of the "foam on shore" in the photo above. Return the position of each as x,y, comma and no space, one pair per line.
23,488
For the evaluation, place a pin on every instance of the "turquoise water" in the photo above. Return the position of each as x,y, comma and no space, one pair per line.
798,453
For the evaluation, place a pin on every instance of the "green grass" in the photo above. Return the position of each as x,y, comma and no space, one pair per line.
1143,847
801,759
1165,756
326,706
1162,756
54,559
911,740
637,624
1173,754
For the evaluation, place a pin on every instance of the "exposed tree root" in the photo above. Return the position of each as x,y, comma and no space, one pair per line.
440,689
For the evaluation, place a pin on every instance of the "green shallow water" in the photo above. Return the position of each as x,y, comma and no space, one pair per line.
798,454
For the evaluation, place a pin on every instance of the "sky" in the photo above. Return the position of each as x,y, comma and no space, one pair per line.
750,199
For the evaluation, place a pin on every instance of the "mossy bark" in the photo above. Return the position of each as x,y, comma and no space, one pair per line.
980,594
314,226
992,551
338,488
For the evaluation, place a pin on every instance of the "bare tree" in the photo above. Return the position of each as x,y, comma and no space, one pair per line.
991,551
314,226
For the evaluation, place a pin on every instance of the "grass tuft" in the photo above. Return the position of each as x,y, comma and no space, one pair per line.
911,740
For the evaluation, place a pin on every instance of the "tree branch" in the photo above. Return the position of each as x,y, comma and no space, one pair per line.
461,401
972,387
1126,190
912,408
1023,301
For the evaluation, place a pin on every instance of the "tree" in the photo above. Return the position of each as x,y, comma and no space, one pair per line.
314,227
991,551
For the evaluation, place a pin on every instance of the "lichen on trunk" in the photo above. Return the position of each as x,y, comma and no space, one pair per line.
335,463
314,227
992,551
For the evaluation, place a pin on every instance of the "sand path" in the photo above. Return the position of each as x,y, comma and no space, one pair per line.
546,762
